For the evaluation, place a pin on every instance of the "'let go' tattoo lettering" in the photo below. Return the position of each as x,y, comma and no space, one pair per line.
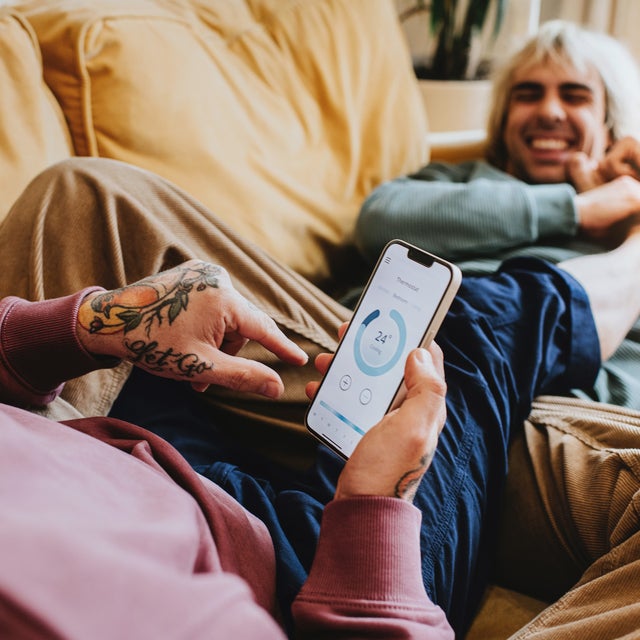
155,359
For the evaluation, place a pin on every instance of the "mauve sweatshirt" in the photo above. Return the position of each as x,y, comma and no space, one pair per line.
106,532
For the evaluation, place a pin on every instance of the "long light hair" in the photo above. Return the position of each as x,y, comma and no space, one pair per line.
566,43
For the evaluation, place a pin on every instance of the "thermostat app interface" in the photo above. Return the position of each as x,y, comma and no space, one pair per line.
392,318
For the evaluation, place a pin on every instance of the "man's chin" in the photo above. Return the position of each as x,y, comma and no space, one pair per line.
546,174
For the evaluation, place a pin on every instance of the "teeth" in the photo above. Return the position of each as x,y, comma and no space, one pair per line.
549,144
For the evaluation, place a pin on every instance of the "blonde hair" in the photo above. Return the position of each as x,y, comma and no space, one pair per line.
567,43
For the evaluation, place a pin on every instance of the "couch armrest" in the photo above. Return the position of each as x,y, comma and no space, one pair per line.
457,146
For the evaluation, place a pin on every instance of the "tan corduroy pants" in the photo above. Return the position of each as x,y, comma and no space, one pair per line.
570,532
90,221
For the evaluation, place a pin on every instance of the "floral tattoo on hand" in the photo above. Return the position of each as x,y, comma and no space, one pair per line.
149,303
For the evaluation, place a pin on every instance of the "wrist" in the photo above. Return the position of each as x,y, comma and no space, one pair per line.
90,328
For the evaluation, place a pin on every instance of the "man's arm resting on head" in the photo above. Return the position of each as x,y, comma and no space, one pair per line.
464,211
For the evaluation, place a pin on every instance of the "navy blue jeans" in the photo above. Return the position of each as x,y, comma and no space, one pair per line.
525,331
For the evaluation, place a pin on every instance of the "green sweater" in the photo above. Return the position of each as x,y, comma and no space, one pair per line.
477,216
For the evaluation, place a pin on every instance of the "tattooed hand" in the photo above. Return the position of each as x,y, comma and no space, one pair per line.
186,323
391,458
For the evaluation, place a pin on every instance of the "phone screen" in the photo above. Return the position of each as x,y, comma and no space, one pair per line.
400,309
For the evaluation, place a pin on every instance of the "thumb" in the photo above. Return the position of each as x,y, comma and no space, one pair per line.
426,385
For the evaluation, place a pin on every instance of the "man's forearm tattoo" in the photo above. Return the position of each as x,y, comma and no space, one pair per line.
408,484
148,303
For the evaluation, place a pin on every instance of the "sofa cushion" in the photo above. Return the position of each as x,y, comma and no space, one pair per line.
33,133
279,115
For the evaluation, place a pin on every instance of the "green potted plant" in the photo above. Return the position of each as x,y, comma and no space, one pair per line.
455,28
458,35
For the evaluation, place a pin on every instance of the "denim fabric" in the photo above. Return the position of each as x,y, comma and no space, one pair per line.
525,331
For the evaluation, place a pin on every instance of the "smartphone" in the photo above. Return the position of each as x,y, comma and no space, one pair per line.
401,307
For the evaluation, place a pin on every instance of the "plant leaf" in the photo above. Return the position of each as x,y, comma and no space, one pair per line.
500,11
477,13
440,10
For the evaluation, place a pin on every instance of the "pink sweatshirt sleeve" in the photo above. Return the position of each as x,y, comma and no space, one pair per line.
366,579
39,349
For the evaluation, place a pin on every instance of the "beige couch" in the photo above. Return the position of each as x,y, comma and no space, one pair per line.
280,115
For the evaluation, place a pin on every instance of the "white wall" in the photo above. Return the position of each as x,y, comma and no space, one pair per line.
620,18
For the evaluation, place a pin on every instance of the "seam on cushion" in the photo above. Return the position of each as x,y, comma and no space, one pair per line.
21,20
86,112
50,97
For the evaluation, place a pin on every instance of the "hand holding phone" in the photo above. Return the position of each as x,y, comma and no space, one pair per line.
406,439
401,308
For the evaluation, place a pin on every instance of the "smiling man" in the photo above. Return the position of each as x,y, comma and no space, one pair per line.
553,112
561,176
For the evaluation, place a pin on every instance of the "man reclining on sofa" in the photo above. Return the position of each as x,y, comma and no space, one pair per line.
561,176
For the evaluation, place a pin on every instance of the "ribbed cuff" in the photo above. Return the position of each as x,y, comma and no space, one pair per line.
369,547
555,209
40,345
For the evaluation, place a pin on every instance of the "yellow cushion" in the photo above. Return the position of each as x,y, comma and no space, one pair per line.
279,115
32,129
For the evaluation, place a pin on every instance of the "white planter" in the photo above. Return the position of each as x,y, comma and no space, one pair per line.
456,105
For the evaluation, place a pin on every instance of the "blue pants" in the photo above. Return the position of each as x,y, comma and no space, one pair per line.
525,331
